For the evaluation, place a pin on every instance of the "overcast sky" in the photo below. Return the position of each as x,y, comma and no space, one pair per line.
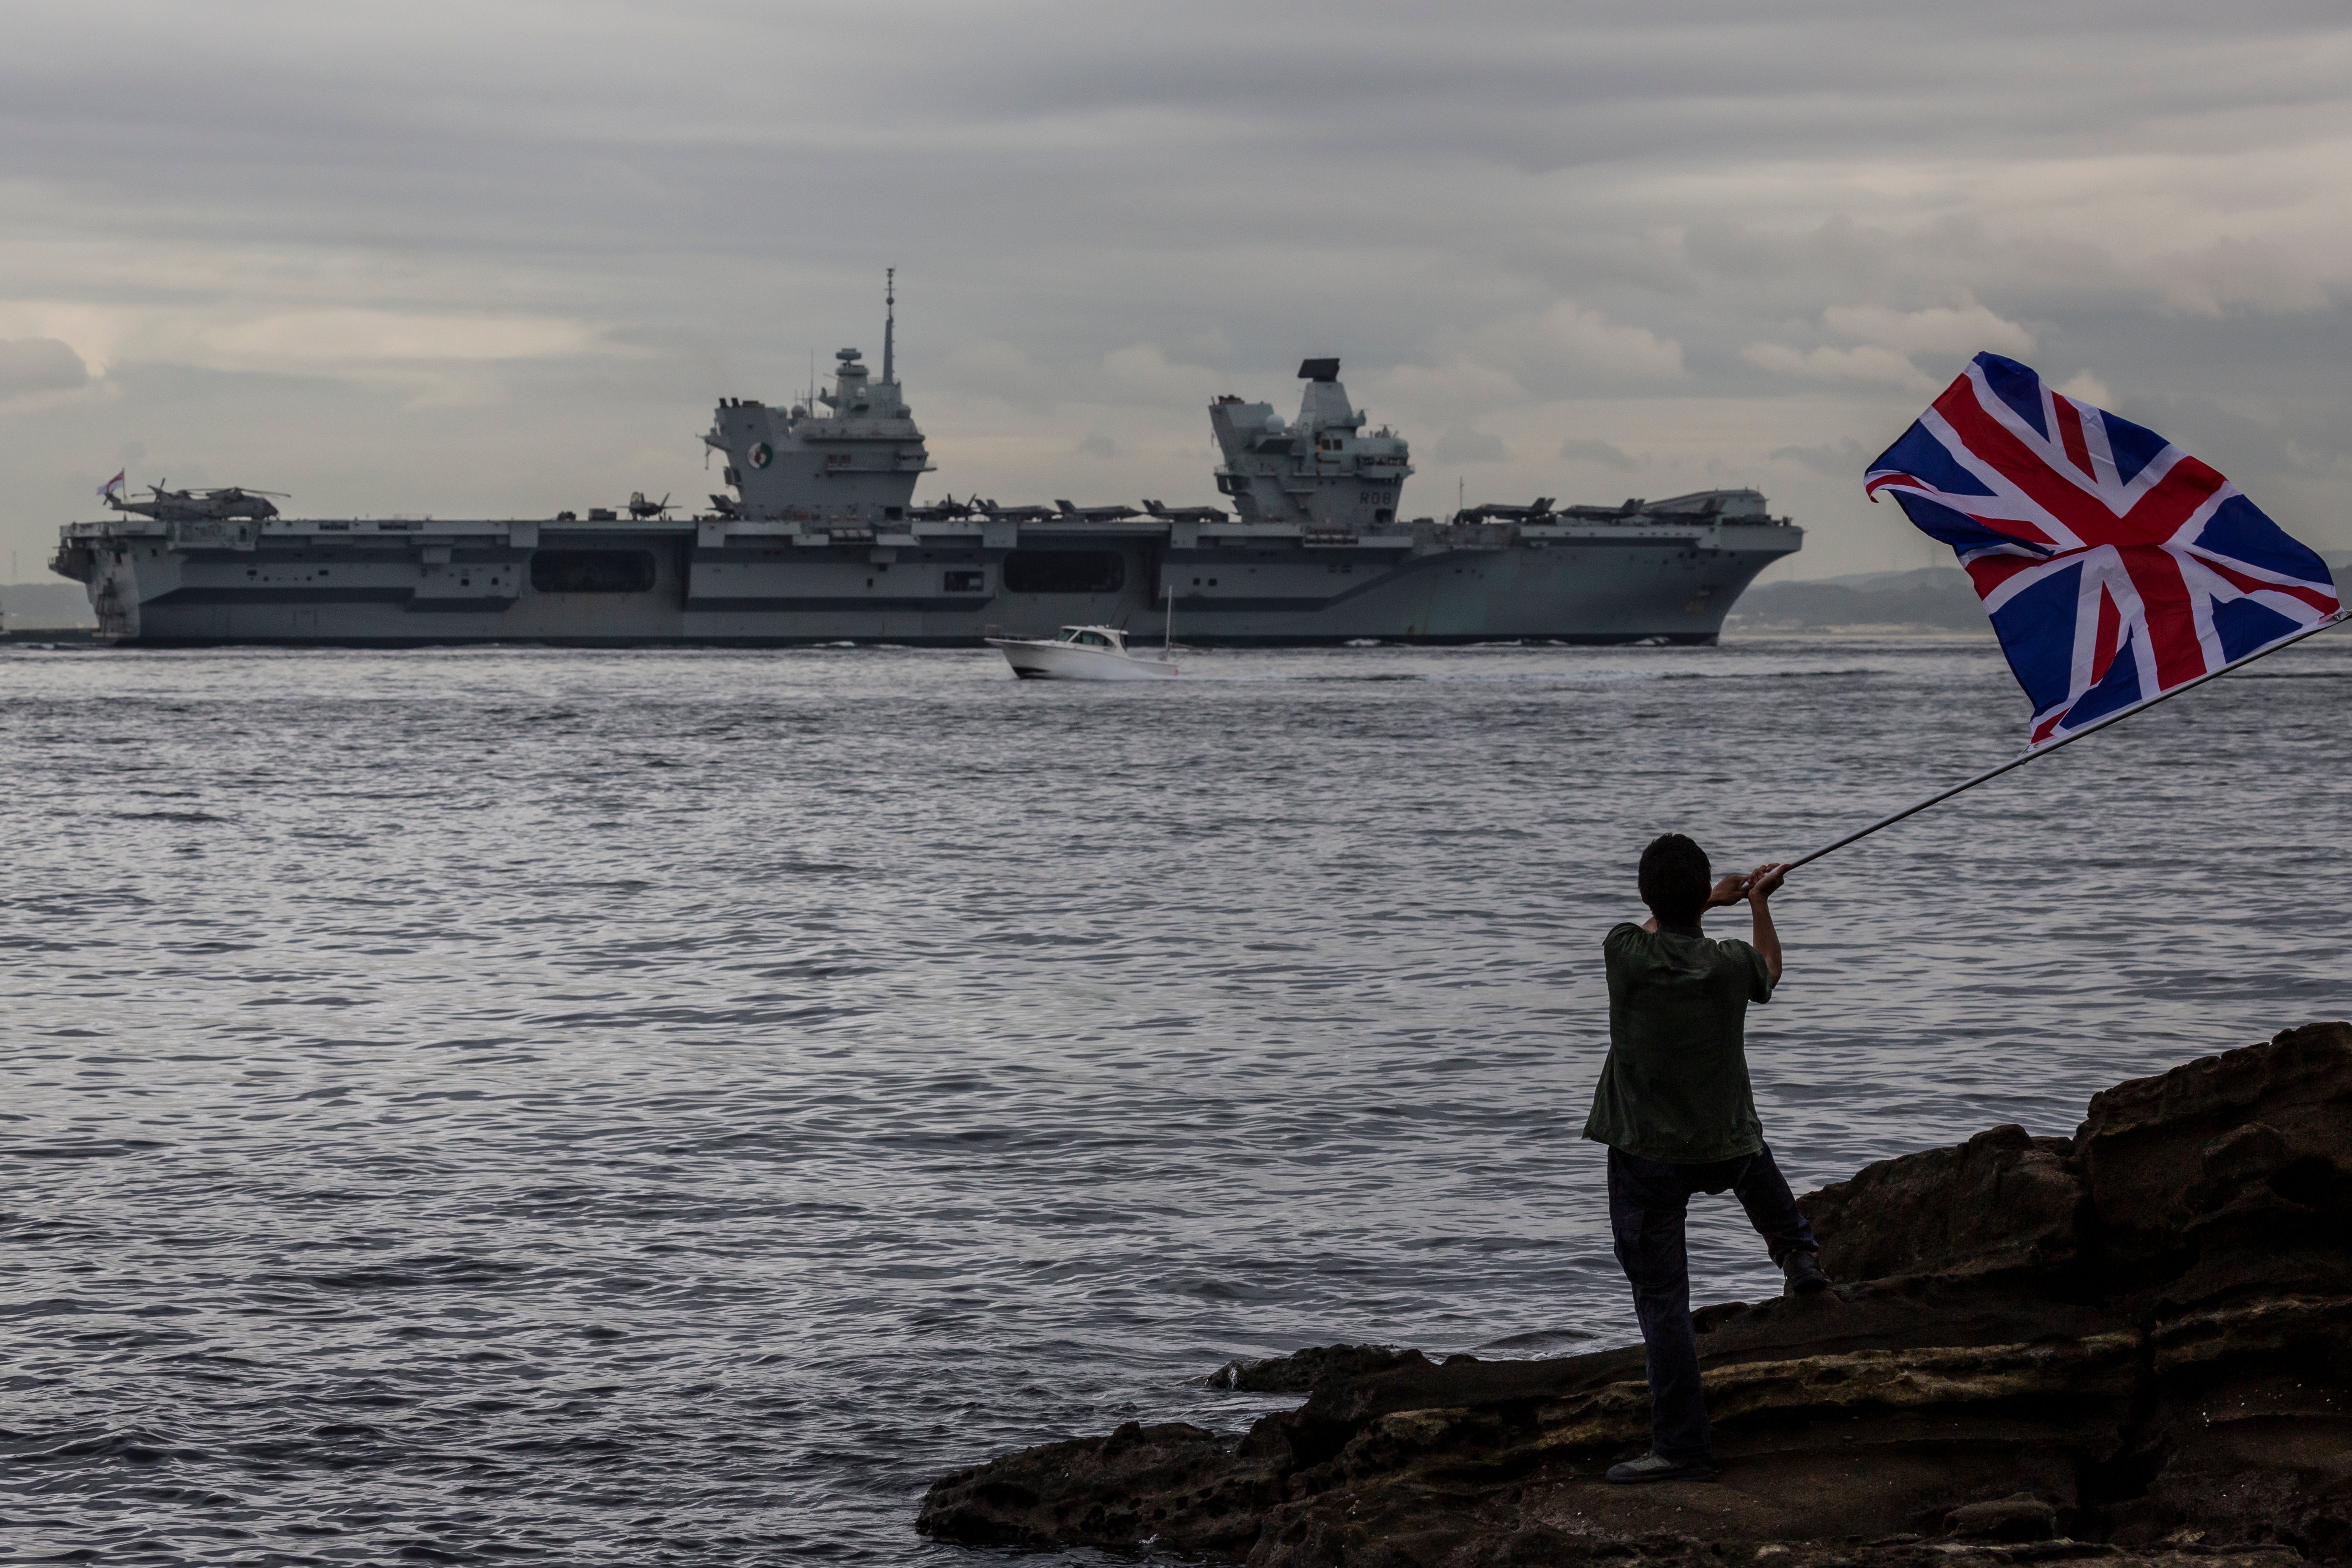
497,258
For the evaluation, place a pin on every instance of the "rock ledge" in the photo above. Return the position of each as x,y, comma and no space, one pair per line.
2135,1342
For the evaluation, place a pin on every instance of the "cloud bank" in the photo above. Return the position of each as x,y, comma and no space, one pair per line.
502,258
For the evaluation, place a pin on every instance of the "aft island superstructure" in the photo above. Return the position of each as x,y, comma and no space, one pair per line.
820,540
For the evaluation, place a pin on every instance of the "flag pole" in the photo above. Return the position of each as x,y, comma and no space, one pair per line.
2068,739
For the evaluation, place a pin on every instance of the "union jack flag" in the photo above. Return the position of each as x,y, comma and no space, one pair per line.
2114,566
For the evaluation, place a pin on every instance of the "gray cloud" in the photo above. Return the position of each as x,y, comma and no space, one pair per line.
1460,443
1097,445
452,260
1843,460
39,365
1600,452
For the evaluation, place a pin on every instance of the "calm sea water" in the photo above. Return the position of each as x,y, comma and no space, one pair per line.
666,1106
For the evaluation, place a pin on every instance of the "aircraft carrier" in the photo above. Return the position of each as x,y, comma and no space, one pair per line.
819,540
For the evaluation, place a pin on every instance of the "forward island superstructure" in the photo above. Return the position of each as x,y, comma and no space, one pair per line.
820,541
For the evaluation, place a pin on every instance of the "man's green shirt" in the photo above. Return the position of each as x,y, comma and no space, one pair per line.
1675,1087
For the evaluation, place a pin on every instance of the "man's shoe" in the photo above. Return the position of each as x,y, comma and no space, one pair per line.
1658,1468
1804,1276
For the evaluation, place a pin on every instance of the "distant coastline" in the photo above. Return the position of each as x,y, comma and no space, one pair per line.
46,606
1926,599
1930,598
1922,600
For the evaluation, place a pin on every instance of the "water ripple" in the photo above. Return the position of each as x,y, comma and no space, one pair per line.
663,1108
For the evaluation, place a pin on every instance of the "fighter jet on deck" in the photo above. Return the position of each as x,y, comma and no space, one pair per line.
995,513
948,510
1492,511
1167,513
1095,513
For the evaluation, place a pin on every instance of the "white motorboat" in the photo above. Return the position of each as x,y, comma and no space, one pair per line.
1080,653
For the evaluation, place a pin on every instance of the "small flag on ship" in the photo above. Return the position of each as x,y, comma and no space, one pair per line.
112,487
2114,566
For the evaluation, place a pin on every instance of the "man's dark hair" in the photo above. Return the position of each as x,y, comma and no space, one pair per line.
1675,879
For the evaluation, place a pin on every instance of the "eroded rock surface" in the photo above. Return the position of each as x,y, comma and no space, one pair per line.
2136,1341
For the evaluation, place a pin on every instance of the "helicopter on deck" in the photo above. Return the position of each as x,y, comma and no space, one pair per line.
200,505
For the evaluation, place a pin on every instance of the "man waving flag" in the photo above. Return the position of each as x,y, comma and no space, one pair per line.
2114,566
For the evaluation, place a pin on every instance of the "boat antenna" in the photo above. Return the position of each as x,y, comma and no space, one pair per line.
890,322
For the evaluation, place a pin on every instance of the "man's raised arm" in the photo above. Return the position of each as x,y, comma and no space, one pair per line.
1762,883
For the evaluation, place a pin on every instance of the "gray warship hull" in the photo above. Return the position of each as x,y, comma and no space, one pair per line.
366,583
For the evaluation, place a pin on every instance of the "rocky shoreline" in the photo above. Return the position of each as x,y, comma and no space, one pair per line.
2133,1342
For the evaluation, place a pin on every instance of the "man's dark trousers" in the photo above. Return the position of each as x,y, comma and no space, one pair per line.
1647,1200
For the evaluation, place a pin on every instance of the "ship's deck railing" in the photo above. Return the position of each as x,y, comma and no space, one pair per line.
715,531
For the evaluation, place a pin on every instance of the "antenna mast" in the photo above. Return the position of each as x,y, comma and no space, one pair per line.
889,323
